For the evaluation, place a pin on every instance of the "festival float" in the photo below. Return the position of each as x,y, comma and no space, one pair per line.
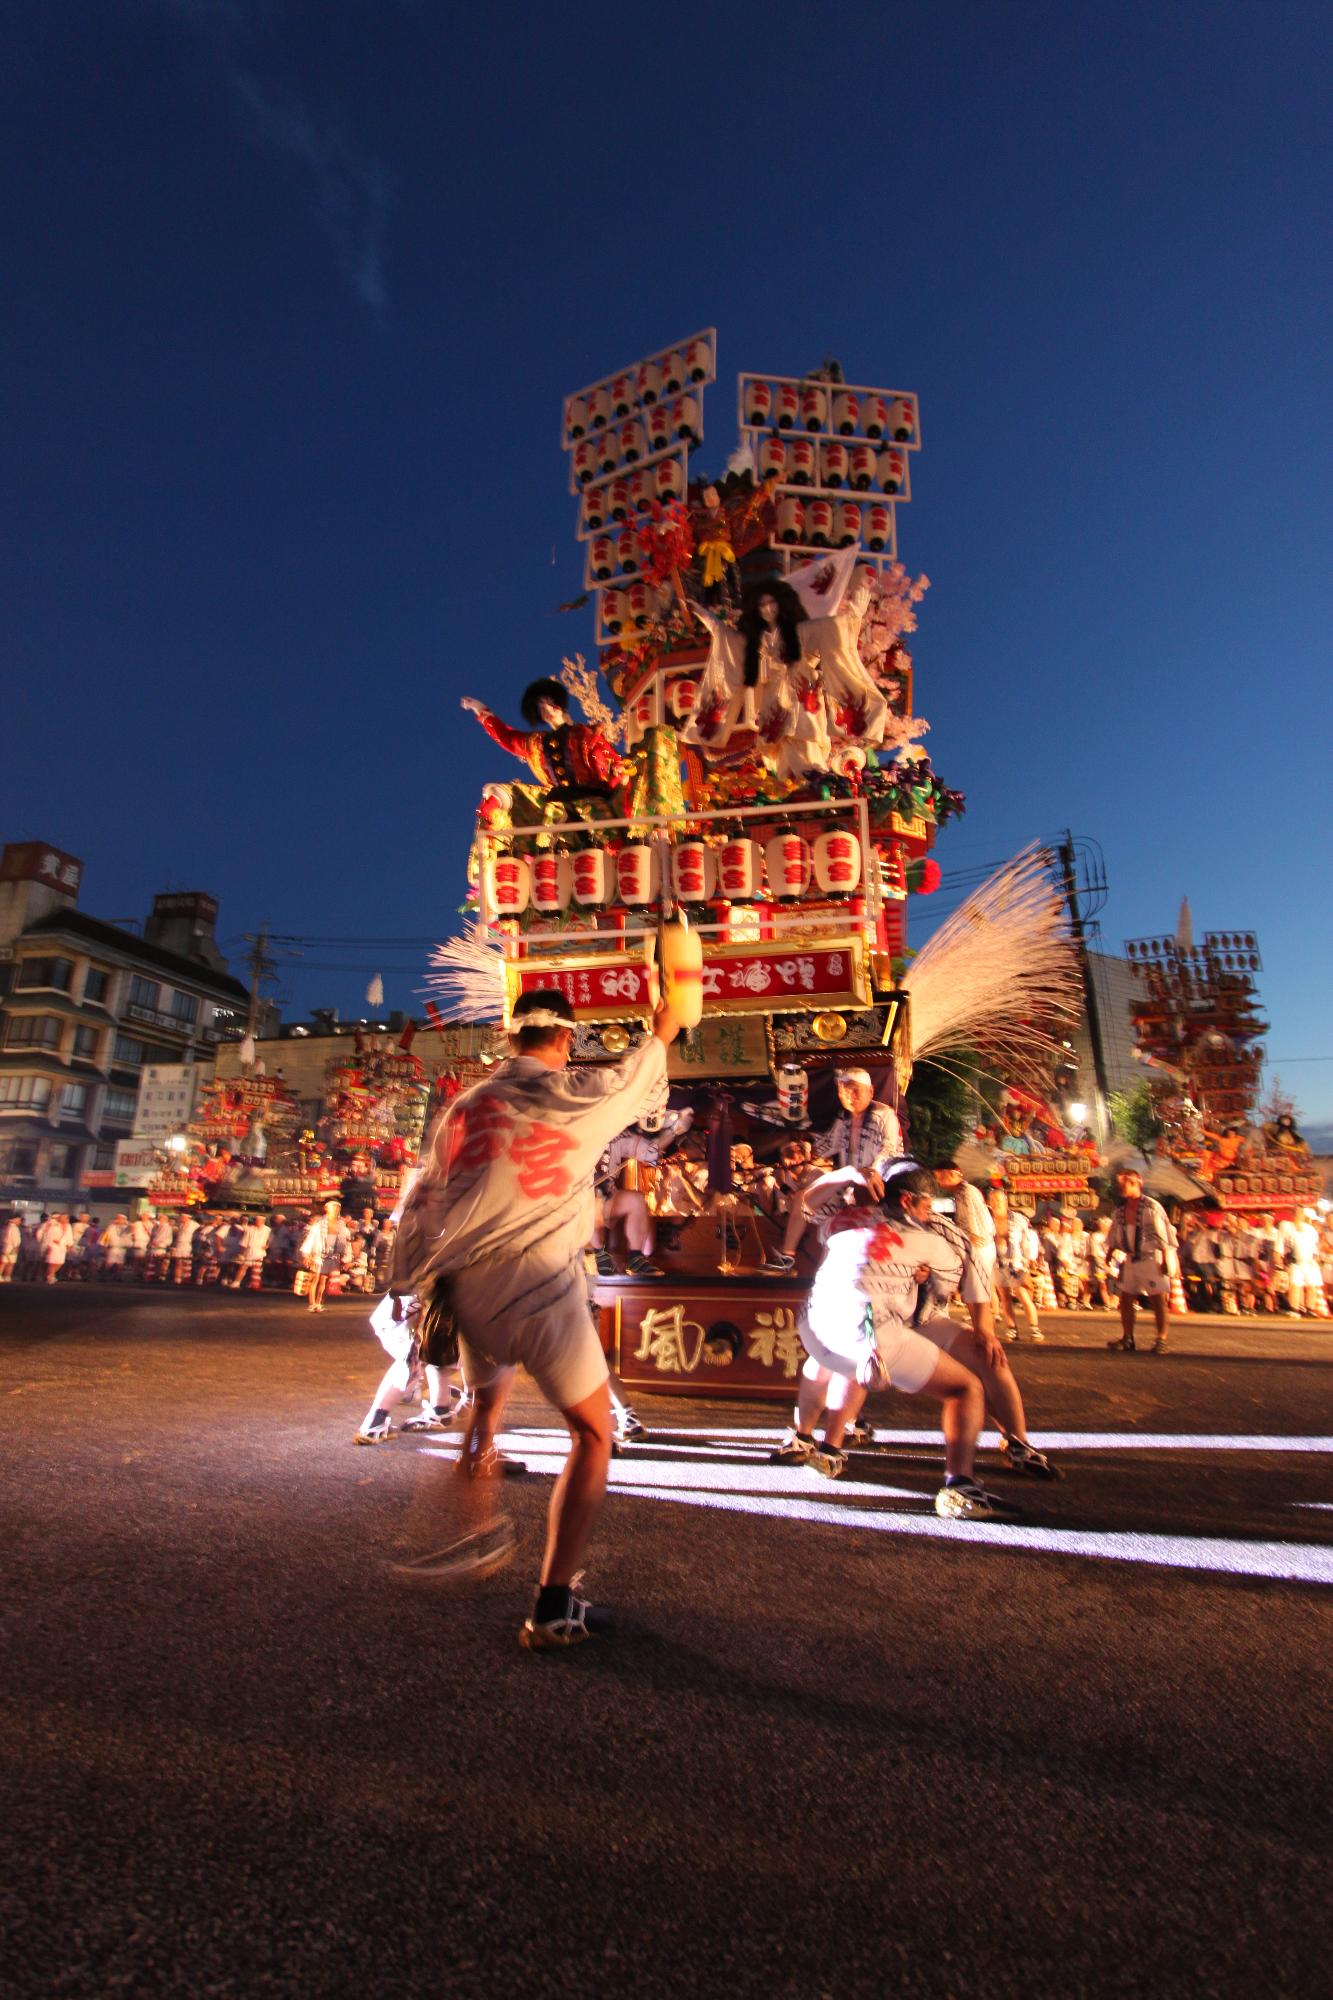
732,807
240,1137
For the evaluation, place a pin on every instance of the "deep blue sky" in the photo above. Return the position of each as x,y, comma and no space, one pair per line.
295,288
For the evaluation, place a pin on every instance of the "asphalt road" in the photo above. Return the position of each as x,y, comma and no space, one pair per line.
835,1747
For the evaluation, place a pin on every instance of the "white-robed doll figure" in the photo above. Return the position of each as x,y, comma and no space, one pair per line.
855,708
757,688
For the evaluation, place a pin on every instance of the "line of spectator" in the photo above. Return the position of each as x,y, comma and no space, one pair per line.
234,1251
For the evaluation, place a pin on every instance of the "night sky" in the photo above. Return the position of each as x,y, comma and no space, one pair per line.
293,295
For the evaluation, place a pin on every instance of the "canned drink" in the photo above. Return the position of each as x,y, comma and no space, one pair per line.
758,403
861,467
793,1094
814,408
846,413
834,464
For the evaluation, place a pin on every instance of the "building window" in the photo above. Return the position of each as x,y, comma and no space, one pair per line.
132,1052
119,1107
61,1162
32,1031
56,972
144,992
24,1093
74,1100
104,1158
18,1158
85,1044
185,1007
95,984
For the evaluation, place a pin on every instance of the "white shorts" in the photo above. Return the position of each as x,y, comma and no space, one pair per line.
1144,1279
510,1316
907,1358
978,1275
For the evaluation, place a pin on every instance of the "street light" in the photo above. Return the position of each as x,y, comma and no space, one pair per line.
1078,1114
177,1143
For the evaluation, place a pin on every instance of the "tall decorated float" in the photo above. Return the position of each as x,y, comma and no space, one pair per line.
732,805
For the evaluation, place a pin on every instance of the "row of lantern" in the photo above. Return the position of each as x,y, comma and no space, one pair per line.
678,422
738,869
833,466
618,499
812,406
637,388
830,524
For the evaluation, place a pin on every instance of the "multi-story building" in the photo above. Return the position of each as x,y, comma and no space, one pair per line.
85,1007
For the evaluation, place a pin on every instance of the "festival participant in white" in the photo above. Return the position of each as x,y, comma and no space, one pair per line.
503,1209
859,1334
182,1248
864,1135
1017,1251
324,1250
1141,1231
11,1239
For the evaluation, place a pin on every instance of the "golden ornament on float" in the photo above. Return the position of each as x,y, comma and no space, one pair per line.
614,1039
828,1027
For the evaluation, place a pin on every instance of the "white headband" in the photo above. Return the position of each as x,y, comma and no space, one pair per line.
538,1017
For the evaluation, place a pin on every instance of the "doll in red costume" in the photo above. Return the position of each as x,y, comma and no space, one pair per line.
570,760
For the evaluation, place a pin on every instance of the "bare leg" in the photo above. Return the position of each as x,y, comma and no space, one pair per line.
962,1414
845,1402
580,1489
810,1396
999,1385
1127,1317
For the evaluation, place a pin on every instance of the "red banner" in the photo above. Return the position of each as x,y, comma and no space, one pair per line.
737,979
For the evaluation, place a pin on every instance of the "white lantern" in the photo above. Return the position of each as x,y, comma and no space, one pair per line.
846,413
608,451
619,500
632,444
758,404
861,459
891,470
902,419
693,871
594,507
599,409
576,417
673,373
592,877
685,418
878,527
510,884
833,464
791,519
622,395
643,486
636,874
848,524
738,869
698,360
683,697
814,409
793,1094
615,611
682,968
602,559
552,882
838,862
819,523
585,462
644,603
658,423
648,383
773,459
788,865
875,416
788,406
801,462
627,552
670,485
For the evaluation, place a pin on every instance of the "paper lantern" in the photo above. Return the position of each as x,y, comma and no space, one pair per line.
793,1094
685,418
902,419
627,552
861,459
698,360
602,558
636,874
788,864
846,413
648,383
644,710
848,524
814,409
644,604
738,869
576,417
838,862
633,445
670,485
923,876
891,470
791,519
658,422
833,464
692,871
683,697
875,416
877,526
608,451
819,523
552,882
788,405
594,507
510,884
758,403
643,488
801,462
592,876
615,611
773,459
599,409
585,462
622,395
682,964
673,373
619,500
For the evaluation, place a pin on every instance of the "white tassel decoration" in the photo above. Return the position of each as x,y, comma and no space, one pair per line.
375,992
468,980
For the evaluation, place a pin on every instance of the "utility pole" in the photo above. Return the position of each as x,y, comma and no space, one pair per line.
260,965
1070,882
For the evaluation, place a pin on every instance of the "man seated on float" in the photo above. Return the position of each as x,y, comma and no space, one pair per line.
775,1188
864,1137
620,1199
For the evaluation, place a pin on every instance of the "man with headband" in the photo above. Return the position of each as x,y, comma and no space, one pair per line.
865,1136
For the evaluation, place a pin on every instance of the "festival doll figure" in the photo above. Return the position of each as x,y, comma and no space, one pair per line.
857,710
713,547
570,760
755,682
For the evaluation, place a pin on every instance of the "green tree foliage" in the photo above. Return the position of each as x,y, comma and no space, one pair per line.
1133,1118
941,1107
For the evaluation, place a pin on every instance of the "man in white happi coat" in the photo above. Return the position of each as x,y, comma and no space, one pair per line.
866,1137
503,1208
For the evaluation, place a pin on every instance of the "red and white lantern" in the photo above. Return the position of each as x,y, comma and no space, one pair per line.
644,603
861,467
648,383
793,1094
838,862
673,373
602,559
834,465
788,404
586,462
738,869
791,520
615,611
594,507
510,884
599,409
627,552
619,500
819,523
846,413
891,470
576,417
633,445
685,418
622,395
902,419
773,459
643,487
608,451
552,882
758,404
636,875
814,408
670,484
801,462
788,864
692,871
698,361
878,528
592,877
658,422
683,697
848,524
875,416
